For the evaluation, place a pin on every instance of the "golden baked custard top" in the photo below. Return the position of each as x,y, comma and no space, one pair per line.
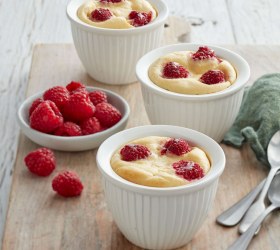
190,72
160,162
117,14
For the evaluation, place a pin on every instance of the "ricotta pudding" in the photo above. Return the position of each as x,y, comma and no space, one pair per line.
117,14
190,72
160,162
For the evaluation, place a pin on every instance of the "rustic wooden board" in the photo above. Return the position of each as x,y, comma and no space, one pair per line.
39,219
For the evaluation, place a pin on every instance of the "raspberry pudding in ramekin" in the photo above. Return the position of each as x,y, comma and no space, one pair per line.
160,162
161,217
196,86
117,14
192,72
110,36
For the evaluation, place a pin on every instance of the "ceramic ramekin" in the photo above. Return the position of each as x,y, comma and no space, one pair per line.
110,55
212,114
73,143
159,218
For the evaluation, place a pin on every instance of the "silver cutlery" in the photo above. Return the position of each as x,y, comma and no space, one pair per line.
274,196
235,213
273,152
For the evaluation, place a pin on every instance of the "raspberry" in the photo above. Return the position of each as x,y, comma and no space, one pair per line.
174,70
67,184
213,77
176,146
133,152
107,114
34,105
101,15
110,1
78,107
72,86
140,18
40,162
91,126
46,117
68,129
59,95
188,169
203,53
97,96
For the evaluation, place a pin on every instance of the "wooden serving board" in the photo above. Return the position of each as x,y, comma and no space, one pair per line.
39,219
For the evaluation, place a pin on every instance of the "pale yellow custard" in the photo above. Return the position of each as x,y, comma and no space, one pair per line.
157,169
120,12
192,84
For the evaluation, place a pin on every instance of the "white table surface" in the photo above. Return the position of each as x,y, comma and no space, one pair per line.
25,23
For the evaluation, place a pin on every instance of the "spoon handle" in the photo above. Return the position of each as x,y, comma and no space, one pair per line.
244,240
234,214
258,206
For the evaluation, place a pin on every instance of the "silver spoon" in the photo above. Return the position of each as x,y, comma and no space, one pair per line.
234,214
273,153
274,196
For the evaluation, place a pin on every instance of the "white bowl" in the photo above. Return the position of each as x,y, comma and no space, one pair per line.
212,114
159,218
73,143
110,55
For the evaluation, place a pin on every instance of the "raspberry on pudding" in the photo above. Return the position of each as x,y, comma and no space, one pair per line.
160,162
117,14
192,72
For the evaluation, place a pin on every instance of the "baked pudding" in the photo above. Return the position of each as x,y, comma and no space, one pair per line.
160,162
192,72
117,14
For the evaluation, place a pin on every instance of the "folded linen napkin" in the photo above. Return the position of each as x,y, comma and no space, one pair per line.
259,116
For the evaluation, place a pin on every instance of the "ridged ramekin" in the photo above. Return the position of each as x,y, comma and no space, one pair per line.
212,114
110,55
159,218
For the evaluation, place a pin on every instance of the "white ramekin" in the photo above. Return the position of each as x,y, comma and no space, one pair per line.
159,218
212,114
110,55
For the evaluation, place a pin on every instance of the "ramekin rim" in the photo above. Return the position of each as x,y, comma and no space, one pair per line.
197,185
205,97
24,125
161,17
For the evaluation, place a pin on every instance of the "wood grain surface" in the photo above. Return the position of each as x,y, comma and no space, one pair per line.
39,219
24,23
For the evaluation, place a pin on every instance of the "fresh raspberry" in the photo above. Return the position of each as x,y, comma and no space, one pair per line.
188,169
213,77
97,96
174,70
68,129
140,18
176,146
46,117
107,114
101,15
58,94
133,152
203,53
34,105
40,162
79,107
72,86
111,1
67,184
91,126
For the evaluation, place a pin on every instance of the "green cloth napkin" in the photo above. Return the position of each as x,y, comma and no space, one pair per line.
259,116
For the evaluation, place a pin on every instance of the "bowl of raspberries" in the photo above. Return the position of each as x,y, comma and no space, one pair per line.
73,117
